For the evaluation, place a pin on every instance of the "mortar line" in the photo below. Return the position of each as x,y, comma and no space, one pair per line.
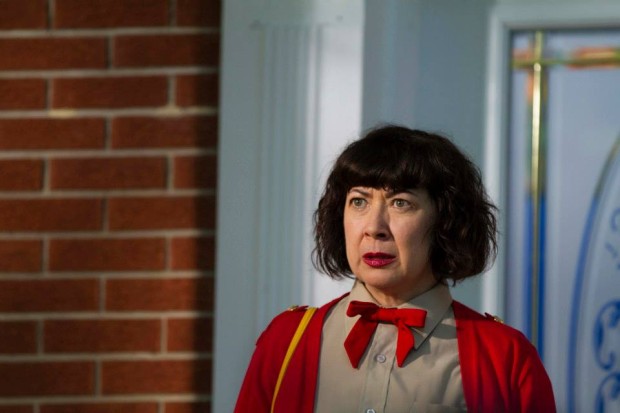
112,153
111,72
172,9
160,112
115,31
109,315
51,14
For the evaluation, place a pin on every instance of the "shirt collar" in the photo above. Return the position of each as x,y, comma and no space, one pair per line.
435,301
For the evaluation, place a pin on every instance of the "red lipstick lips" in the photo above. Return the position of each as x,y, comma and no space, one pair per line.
378,259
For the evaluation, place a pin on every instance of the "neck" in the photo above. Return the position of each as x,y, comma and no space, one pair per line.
387,299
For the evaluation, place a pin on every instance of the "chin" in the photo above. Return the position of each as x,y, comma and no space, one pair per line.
379,282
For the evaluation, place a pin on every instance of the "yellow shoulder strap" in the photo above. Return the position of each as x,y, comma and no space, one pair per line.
291,349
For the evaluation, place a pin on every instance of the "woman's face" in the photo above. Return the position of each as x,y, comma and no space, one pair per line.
387,238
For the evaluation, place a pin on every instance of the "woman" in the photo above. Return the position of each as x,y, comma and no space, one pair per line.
404,212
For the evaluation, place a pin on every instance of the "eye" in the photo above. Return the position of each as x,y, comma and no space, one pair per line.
358,202
401,203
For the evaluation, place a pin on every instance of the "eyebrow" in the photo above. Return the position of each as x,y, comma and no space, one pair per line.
391,193
359,191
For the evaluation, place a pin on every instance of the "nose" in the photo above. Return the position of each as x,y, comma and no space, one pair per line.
377,223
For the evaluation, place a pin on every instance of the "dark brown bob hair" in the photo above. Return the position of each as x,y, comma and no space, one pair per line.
463,236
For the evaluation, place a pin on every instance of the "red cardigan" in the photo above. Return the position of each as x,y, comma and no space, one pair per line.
500,369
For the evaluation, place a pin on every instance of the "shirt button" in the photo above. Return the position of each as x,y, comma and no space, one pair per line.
370,411
381,359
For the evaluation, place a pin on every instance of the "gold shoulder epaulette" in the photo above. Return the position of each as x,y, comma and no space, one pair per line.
494,318
297,308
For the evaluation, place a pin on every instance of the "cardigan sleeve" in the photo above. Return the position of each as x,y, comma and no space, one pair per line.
260,379
534,386
500,368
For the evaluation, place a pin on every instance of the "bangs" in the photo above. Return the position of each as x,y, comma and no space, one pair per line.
388,163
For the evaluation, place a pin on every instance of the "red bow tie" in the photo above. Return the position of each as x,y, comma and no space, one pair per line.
371,316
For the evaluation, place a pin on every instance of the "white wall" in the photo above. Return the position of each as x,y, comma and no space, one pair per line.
290,99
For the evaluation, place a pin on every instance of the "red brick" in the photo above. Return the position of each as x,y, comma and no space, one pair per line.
22,93
110,13
83,133
156,377
188,407
161,213
18,337
165,132
170,294
190,253
190,334
20,14
195,171
48,295
100,408
130,254
13,408
197,90
108,173
50,214
167,50
46,378
95,336
20,255
21,175
199,13
110,92
52,53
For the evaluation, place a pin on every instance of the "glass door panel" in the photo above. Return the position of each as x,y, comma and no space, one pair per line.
564,189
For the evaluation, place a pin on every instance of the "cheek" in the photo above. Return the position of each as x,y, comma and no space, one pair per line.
351,239
351,227
349,233
346,226
417,240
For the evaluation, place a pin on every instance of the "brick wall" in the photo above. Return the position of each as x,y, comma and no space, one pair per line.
108,129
